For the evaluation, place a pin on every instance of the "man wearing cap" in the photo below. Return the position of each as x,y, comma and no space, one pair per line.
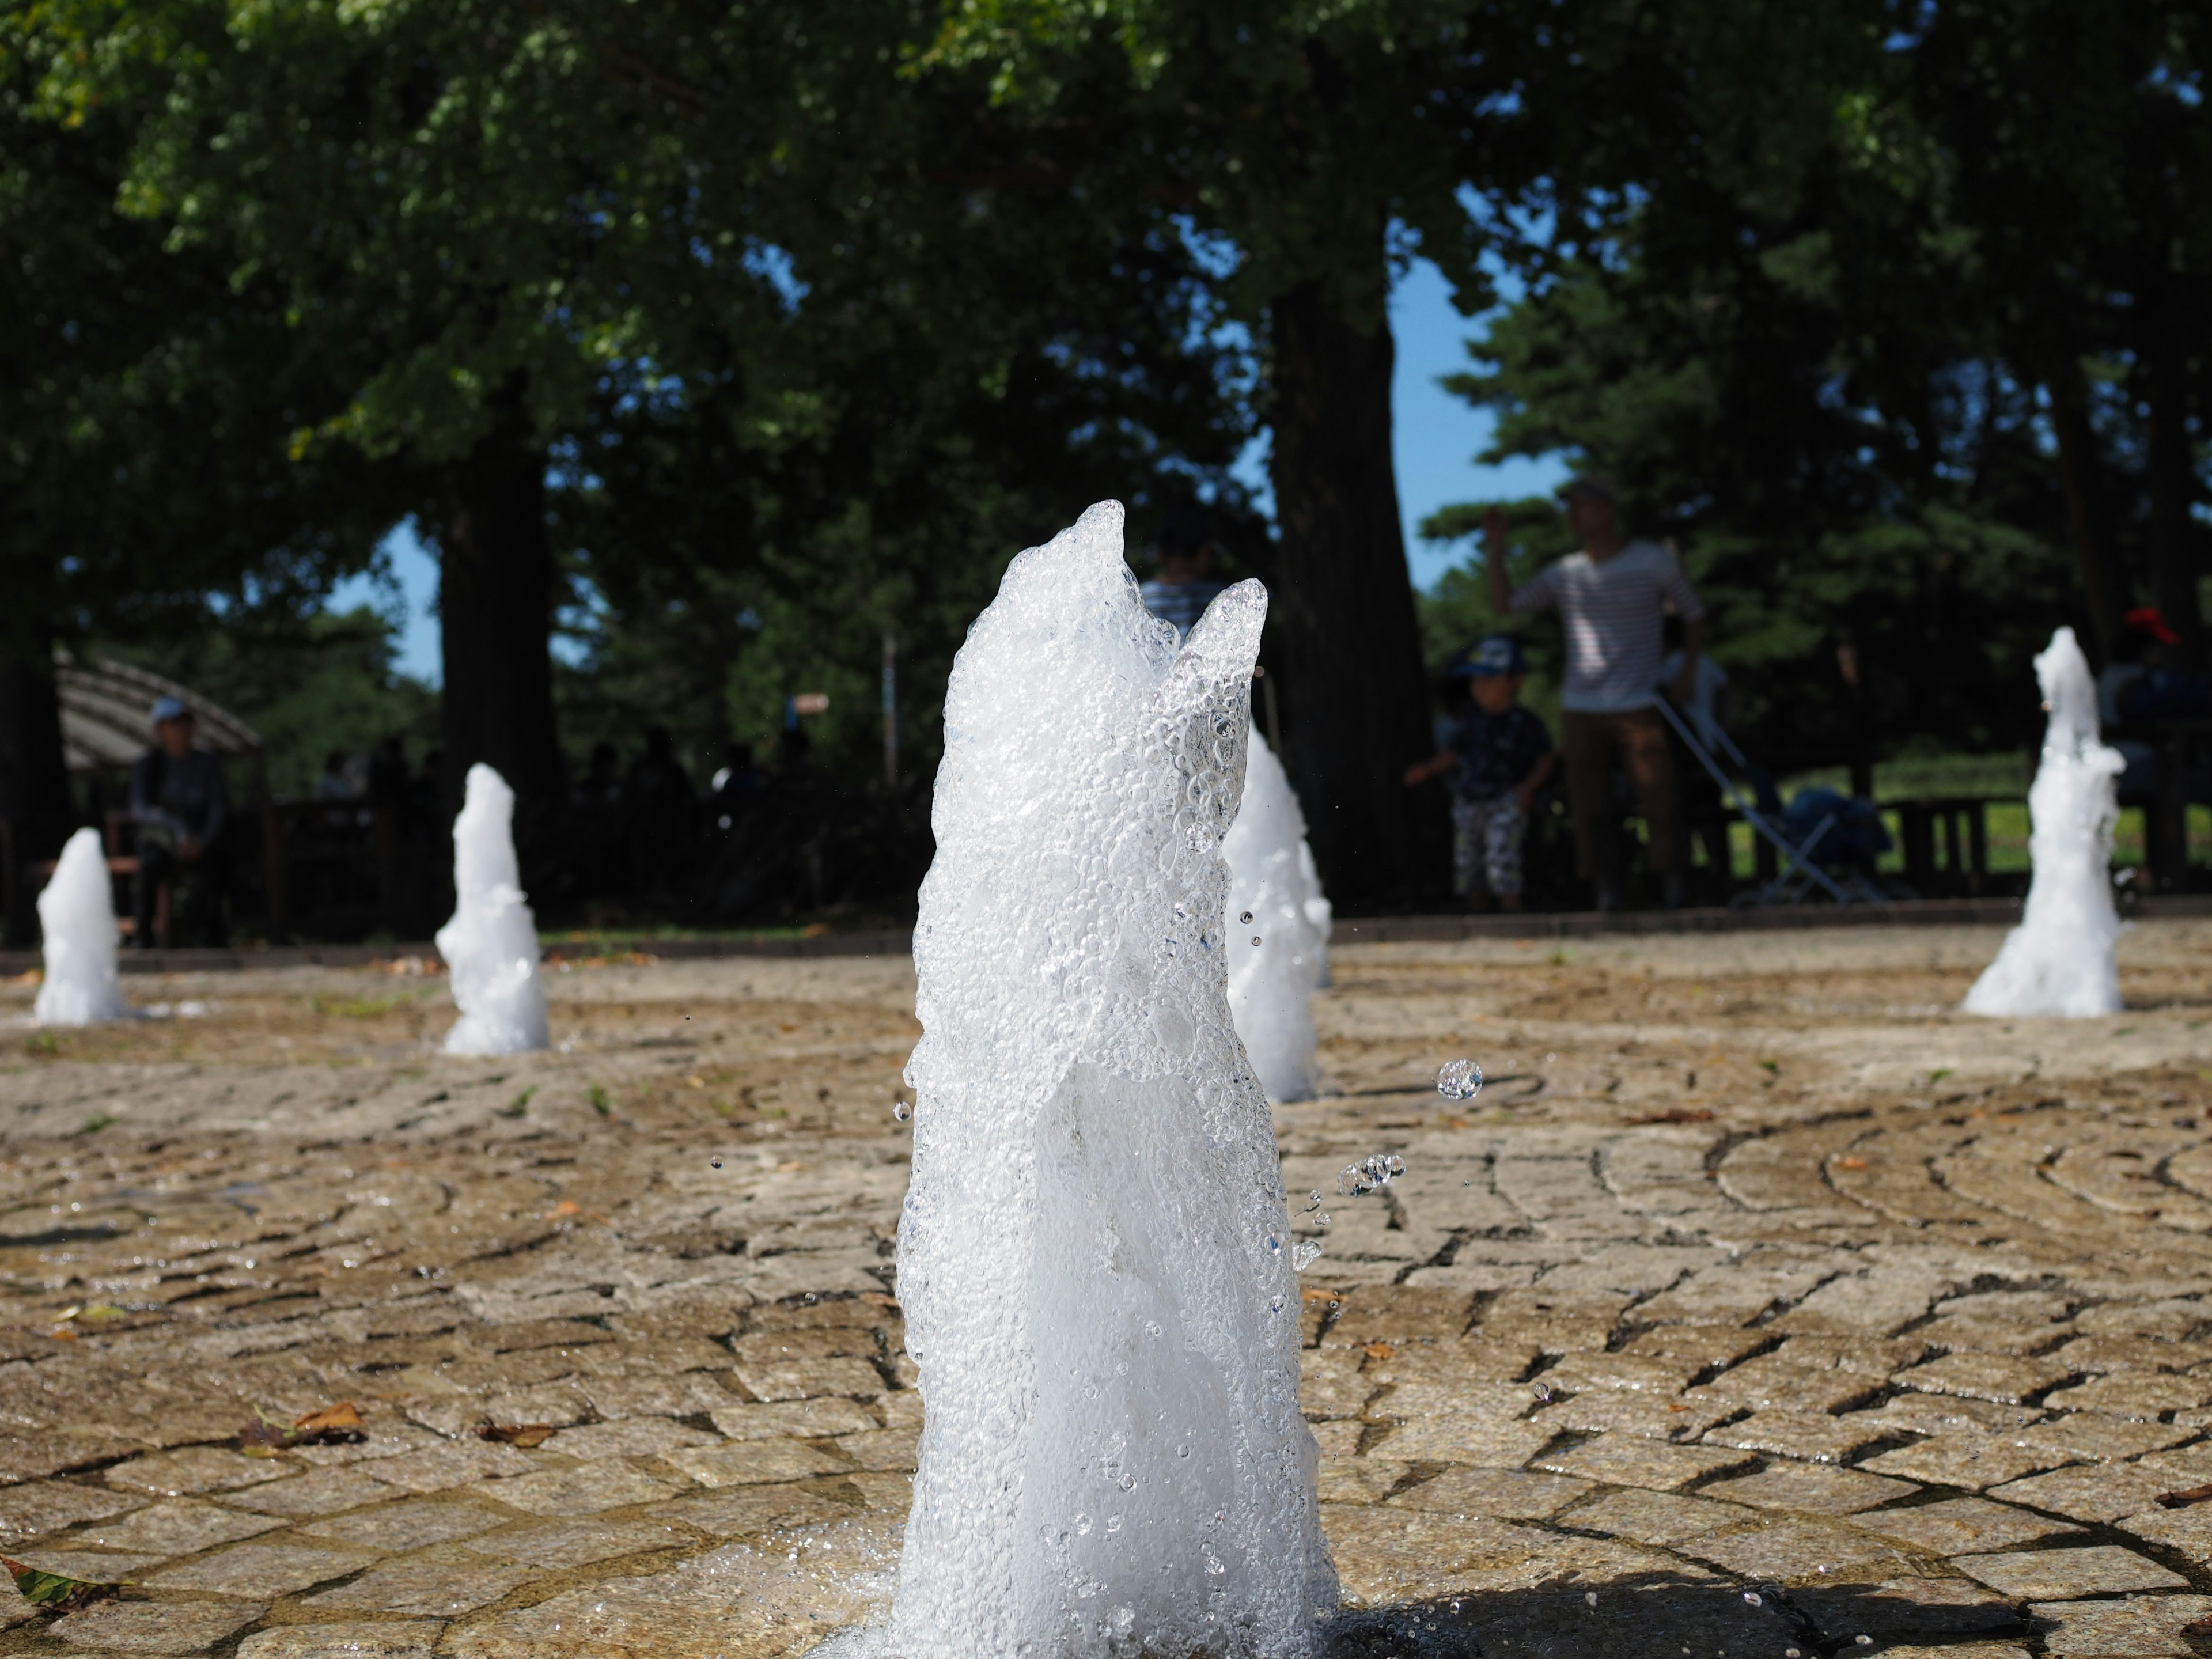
1502,756
177,801
1613,597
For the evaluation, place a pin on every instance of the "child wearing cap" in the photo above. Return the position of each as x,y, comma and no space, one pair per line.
1504,755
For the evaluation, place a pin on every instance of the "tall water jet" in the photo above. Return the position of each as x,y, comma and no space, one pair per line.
1277,924
491,943
77,923
1092,1258
2060,959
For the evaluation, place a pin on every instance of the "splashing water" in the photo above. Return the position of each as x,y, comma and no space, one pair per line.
1460,1079
2060,959
77,923
1083,1255
491,943
1305,1254
1272,879
1355,1180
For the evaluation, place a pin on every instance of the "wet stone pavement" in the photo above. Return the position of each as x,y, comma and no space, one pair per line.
1758,1304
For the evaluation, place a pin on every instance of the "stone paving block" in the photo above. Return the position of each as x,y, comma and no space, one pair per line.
457,1415
1642,1372
1935,1414
1494,1494
446,1464
1339,1439
1877,1358
751,1511
181,1526
1624,1412
561,1544
1655,1517
882,1489
1359,1480
1618,1460
162,1627
97,1567
319,1491
1952,1651
883,1449
2110,1353
1734,1293
1911,1609
2189,1465
436,1583
2092,1438
1484,1441
585,1489
409,1638
1810,1488
2005,1379
191,1469
1986,1334
2088,1492
1805,1550
643,1437
1654,1618
1872,1303
751,1463
1400,1313
2062,1575
411,1525
1771,1381
2139,1396
1812,1437
1704,1346
797,1420
265,1570
2186,1531
804,1379
1975,1461
45,1506
60,1449
1385,1555
2136,1628
1454,1363
691,1394
1414,1402
1330,1384
1961,1526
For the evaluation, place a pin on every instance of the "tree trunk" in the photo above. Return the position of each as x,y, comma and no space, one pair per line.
1355,707
2170,472
2088,509
34,796
495,601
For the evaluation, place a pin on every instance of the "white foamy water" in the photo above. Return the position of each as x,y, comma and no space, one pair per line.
2060,959
491,943
77,923
1093,1259
1274,897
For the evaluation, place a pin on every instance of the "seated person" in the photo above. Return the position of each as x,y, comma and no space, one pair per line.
1503,755
1182,591
179,805
2140,687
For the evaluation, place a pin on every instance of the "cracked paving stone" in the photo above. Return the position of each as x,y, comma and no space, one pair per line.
2188,1531
584,1490
326,1492
1811,1437
412,1525
162,1627
45,1506
182,1526
1975,1461
436,1583
2060,1575
384,1639
1494,1494
1962,1526
1621,1460
751,1463
1813,1488
265,1570
1997,1377
1655,1517
795,1420
637,1436
558,1544
2146,1625
2088,1492
1801,1552
1484,1441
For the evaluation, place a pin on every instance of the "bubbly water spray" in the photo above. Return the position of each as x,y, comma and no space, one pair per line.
76,921
1113,1463
491,943
2059,959
1278,929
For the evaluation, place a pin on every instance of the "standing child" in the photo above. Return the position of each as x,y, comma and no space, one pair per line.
1504,755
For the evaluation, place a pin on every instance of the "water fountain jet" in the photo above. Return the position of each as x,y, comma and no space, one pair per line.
2060,959
491,943
1274,899
77,924
1092,1267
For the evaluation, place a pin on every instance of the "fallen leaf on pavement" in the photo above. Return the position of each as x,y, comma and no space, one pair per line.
55,1592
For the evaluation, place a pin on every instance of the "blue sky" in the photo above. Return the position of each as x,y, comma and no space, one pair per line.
1435,437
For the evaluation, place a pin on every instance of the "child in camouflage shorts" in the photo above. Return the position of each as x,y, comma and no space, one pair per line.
1503,755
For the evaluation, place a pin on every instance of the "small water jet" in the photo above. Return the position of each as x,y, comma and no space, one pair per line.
491,943
1113,1461
2060,959
1272,882
76,925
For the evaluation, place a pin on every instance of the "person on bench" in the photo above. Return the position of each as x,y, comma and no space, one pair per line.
177,803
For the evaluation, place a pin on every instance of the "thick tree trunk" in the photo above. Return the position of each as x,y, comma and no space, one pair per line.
2169,470
1354,694
34,797
2089,504
495,600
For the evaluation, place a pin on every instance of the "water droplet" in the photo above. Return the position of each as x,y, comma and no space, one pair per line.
1082,1526
715,1162
1321,1219
1276,1245
1543,1393
1255,940
1863,1641
1591,1596
901,1110
1182,1451
1753,1597
1460,1079
1304,1255
1246,918
1791,1653
1548,1058
1213,1565
1128,1482
1394,1165
1182,911
810,1298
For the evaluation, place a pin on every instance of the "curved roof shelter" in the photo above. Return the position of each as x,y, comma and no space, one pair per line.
105,704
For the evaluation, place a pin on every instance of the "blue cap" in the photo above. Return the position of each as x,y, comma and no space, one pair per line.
1500,654
170,708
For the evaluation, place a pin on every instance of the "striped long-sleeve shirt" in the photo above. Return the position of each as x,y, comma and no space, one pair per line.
1612,611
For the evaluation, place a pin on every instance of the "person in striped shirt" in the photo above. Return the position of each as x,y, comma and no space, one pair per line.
1181,591
1613,598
